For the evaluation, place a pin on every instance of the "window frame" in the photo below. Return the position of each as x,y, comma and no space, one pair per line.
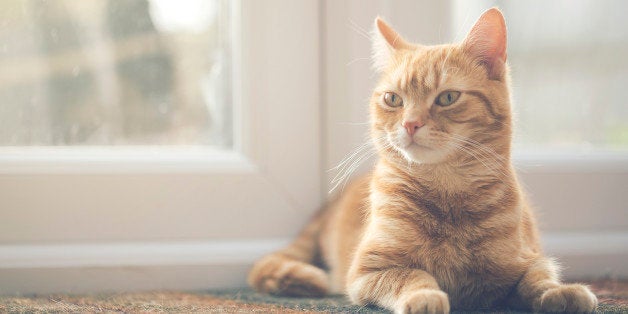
208,213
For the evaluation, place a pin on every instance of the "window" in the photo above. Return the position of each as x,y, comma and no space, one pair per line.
107,72
181,172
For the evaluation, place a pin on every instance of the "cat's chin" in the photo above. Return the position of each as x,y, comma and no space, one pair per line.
422,154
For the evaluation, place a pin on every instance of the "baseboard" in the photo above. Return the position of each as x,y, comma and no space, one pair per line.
166,253
196,265
136,266
589,255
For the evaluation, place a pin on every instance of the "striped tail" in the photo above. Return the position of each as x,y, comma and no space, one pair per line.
291,271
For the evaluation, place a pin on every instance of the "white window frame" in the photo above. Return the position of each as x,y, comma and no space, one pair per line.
97,218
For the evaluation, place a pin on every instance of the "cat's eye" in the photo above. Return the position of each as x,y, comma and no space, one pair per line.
447,98
393,100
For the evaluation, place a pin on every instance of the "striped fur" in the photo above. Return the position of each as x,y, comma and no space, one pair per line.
445,225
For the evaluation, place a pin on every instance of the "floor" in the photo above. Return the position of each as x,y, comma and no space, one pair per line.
613,295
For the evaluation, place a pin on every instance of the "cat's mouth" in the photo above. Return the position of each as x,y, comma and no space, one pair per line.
405,142
418,150
408,145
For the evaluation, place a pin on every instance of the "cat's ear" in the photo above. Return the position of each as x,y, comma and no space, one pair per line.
385,41
486,42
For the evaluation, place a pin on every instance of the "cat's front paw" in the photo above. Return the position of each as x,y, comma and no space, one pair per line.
424,301
572,298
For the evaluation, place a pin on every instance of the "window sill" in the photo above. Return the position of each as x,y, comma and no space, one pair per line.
121,160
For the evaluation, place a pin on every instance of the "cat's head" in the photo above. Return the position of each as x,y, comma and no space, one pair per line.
436,103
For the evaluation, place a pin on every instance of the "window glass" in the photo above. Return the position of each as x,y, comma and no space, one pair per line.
115,72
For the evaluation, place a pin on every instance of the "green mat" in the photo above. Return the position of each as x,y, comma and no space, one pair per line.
339,304
613,298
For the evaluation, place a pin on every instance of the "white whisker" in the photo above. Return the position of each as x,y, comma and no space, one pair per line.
357,59
350,164
482,153
359,30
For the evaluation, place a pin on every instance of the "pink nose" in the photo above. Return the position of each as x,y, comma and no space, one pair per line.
412,126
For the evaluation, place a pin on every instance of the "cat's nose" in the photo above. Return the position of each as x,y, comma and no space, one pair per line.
412,126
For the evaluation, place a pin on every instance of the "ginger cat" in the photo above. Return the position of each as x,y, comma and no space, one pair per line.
441,223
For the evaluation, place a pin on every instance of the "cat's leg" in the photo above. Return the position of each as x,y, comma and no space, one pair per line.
290,271
541,290
401,289
282,274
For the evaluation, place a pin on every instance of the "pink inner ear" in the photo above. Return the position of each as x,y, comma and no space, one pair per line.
487,42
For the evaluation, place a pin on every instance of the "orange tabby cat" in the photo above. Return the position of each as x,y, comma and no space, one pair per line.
441,222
